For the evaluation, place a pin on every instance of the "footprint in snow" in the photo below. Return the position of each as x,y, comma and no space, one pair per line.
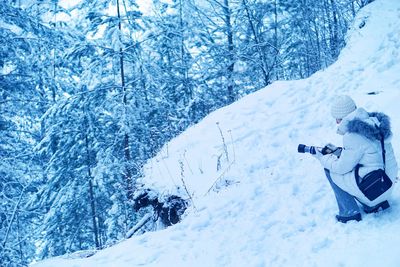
323,244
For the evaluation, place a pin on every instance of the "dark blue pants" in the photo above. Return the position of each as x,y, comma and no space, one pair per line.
347,203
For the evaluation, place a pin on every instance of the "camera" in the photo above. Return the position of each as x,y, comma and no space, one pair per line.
328,149
307,149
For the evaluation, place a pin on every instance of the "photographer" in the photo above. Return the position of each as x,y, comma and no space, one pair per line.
366,150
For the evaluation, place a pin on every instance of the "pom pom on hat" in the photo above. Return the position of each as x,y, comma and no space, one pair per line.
342,106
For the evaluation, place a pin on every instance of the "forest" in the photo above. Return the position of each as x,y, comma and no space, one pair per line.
92,89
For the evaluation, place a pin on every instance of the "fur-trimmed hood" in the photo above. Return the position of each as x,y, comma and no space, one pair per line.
371,125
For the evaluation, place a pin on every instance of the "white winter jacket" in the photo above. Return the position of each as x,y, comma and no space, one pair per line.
361,142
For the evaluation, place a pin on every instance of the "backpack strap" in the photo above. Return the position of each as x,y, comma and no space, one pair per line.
356,169
383,150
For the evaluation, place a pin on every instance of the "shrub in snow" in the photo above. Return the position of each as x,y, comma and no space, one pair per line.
167,210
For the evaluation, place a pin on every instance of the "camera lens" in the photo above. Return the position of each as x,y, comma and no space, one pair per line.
300,148
306,149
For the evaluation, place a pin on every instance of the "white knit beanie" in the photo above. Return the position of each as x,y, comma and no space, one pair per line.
342,106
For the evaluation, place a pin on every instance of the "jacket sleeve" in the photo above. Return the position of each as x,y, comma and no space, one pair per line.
349,158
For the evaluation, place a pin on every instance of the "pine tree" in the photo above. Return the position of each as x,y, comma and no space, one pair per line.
25,86
94,162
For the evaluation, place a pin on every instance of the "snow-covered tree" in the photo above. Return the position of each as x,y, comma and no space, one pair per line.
27,85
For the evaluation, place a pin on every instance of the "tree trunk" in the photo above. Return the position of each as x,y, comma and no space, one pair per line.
127,153
13,217
276,40
318,52
54,87
231,59
185,69
264,64
91,193
94,213
92,199
335,31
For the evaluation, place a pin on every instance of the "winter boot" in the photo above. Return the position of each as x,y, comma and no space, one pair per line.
345,219
380,207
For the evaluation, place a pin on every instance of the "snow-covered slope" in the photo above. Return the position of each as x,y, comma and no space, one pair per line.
256,201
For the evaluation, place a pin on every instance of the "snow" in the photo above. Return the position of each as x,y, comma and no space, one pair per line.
69,3
256,201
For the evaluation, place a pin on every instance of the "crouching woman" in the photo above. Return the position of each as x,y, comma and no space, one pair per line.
362,152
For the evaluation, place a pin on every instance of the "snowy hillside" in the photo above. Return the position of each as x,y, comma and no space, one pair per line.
256,201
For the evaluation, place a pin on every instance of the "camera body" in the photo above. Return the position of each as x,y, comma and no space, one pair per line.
328,149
